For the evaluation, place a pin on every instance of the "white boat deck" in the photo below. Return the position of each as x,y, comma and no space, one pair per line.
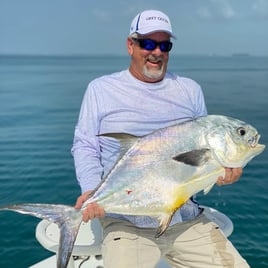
87,248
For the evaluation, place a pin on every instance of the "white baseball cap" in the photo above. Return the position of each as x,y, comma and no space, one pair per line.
150,21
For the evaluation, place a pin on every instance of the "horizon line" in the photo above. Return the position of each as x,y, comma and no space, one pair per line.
125,55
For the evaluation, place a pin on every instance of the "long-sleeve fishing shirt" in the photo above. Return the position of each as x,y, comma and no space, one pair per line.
120,103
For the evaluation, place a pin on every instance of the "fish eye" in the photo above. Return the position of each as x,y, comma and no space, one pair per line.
241,131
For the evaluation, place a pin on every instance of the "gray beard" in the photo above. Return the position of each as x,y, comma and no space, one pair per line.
153,74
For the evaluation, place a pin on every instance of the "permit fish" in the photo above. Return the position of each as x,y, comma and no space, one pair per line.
157,173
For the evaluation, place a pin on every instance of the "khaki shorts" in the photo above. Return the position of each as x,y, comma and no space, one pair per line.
198,243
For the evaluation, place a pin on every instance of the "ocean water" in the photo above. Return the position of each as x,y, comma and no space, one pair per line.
40,99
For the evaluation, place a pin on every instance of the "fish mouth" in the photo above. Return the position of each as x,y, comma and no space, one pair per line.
255,145
254,141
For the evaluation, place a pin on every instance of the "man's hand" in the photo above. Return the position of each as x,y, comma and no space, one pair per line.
92,210
231,175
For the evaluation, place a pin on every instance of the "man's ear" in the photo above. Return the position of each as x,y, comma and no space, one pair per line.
130,44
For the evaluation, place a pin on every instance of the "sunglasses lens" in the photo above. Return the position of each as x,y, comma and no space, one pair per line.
149,44
165,46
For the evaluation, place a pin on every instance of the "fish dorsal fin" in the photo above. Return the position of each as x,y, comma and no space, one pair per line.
126,140
194,158
164,223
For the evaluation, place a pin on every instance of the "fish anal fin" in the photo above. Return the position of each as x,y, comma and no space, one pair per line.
164,223
194,158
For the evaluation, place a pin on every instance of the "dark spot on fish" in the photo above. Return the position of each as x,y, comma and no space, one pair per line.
194,158
129,191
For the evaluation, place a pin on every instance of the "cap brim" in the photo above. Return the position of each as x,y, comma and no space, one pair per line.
150,31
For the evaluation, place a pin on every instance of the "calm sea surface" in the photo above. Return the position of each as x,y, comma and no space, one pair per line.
40,99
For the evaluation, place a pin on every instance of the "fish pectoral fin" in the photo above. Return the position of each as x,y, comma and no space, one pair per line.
194,157
164,223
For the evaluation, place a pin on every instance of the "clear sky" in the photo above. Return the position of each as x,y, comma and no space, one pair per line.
101,26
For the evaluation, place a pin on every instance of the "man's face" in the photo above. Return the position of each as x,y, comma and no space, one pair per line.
148,65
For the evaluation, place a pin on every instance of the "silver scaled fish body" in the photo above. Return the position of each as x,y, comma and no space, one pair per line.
156,174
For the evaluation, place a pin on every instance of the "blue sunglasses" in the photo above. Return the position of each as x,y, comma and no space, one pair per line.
149,44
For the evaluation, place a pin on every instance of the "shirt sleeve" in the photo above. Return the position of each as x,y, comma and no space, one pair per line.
195,96
201,109
86,148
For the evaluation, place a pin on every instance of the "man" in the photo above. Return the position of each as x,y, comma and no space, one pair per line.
138,101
